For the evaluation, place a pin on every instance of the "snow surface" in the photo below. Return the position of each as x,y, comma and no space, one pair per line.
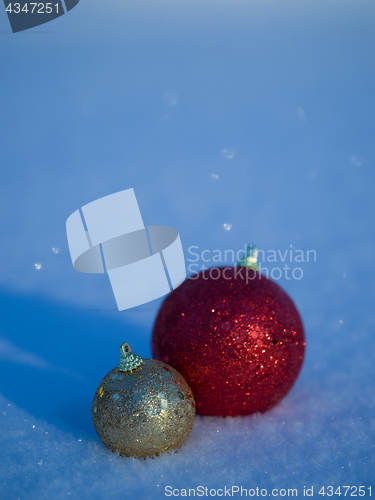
234,122
322,433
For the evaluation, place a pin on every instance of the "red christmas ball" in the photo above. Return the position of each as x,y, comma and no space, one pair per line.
235,336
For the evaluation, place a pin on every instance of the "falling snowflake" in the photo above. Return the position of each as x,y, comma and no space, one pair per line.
355,161
301,114
227,153
171,98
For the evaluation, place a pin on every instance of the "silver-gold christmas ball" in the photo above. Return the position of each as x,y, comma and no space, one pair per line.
142,407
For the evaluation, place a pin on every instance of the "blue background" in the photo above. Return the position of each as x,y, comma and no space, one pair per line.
254,114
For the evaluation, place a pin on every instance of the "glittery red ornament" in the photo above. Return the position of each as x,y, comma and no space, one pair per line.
237,339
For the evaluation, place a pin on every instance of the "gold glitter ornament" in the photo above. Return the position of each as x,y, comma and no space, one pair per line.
142,407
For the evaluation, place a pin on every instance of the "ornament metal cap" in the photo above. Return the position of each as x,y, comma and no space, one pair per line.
128,360
250,259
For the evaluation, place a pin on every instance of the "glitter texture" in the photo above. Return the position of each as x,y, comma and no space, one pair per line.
128,359
239,345
145,411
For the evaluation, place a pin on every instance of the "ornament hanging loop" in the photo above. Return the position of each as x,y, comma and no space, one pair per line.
128,360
